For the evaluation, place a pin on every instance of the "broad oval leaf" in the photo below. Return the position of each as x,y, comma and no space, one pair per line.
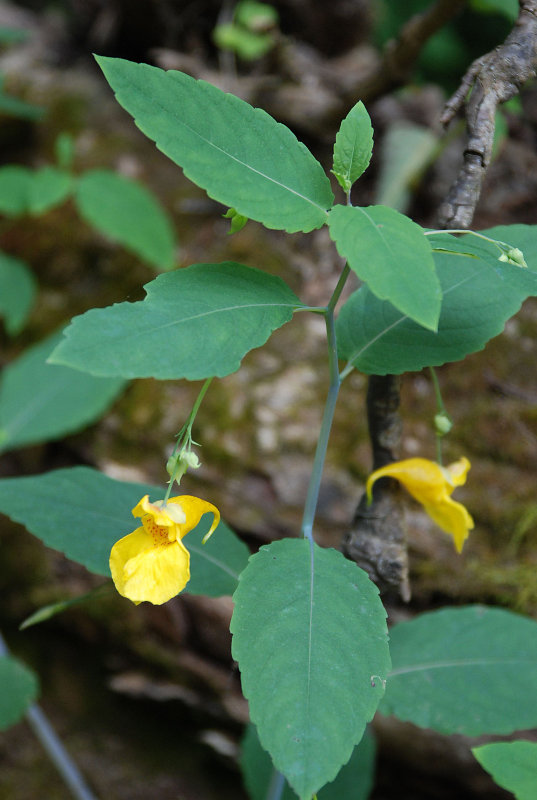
18,289
470,670
40,401
478,298
353,147
195,323
513,765
354,780
240,155
82,513
128,213
392,255
309,633
18,690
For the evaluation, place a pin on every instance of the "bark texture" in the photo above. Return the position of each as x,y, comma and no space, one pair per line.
491,80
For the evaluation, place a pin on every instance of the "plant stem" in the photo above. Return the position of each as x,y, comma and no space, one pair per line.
312,496
184,436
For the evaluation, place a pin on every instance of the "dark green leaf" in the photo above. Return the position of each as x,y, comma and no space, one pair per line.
40,401
479,296
82,513
391,254
354,780
309,634
194,323
469,670
240,155
128,213
18,689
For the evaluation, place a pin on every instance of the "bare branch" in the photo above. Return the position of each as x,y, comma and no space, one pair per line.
492,79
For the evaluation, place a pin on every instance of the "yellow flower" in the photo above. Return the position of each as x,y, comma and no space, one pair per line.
432,485
152,563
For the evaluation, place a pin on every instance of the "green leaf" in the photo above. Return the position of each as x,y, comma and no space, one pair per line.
513,765
391,254
40,401
240,155
17,293
82,513
26,191
354,780
49,187
469,670
353,147
15,183
128,213
246,44
479,296
309,634
194,323
18,689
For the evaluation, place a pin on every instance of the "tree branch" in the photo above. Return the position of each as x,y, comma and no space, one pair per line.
376,540
491,79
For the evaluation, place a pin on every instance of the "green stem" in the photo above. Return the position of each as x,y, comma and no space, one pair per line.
312,496
185,434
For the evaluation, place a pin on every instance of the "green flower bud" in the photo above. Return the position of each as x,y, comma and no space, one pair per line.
442,423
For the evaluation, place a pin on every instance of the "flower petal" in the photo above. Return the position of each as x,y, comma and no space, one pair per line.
195,508
142,571
157,510
453,518
458,471
423,479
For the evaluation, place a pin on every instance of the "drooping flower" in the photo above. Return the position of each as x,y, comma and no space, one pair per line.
152,563
432,485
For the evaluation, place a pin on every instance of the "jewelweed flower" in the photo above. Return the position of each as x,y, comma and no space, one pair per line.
152,563
431,485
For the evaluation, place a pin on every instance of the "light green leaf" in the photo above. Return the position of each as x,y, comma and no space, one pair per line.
469,670
240,155
353,147
392,255
26,191
513,765
82,513
479,296
18,689
15,183
129,214
17,292
354,780
40,401
405,153
309,634
194,323
49,187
